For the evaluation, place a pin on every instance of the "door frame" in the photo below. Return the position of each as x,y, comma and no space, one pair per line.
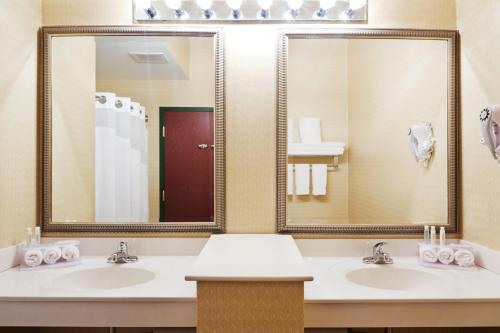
163,110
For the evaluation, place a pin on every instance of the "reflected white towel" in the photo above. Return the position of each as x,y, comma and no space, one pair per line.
428,254
464,258
290,130
33,257
446,255
310,130
319,179
301,179
70,253
51,255
289,179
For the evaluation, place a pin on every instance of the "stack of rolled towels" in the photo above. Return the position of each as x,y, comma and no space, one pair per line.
50,254
447,255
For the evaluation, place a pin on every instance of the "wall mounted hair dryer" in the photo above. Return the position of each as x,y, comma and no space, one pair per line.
490,122
421,140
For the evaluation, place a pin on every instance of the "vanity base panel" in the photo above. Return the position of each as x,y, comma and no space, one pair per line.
425,314
250,307
97,314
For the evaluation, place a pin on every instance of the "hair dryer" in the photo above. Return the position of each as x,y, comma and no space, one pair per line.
490,120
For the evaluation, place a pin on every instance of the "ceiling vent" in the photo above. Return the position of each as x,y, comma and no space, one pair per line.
149,57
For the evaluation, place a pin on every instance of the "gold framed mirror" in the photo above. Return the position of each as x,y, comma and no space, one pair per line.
131,130
367,131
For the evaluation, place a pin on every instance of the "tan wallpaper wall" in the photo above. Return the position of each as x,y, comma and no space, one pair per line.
251,88
20,20
392,86
197,91
73,131
317,87
479,28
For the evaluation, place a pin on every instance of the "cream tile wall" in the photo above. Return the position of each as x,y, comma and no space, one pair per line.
251,89
20,20
479,25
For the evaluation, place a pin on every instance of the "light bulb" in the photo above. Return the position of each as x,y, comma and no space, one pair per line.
204,4
173,4
357,4
265,4
143,4
327,4
295,4
234,4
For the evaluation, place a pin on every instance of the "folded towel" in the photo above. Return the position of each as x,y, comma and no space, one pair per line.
51,255
428,254
464,258
302,179
310,130
446,255
70,253
289,179
33,257
319,179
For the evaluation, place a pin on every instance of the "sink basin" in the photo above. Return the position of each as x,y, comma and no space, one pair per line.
391,278
112,277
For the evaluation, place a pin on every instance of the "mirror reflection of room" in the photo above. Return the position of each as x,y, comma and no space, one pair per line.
133,129
367,131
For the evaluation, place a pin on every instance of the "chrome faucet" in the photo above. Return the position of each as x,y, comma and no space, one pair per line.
379,256
121,256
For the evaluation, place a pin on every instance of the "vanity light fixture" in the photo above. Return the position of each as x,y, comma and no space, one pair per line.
147,7
324,5
265,6
176,5
294,7
235,6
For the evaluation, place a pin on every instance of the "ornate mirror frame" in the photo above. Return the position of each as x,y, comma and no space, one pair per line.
44,172
453,162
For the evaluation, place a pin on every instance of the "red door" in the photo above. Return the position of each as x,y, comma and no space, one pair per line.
188,165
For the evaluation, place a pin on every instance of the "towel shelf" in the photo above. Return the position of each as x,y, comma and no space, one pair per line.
332,166
333,149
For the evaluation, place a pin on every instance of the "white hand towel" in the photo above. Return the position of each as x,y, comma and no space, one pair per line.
446,255
428,254
51,255
464,258
319,176
70,253
310,130
289,179
302,179
33,257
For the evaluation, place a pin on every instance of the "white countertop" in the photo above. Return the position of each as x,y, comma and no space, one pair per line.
166,272
249,258
331,284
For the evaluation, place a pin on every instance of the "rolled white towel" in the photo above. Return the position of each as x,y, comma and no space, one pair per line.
51,255
428,254
33,257
464,258
446,255
70,253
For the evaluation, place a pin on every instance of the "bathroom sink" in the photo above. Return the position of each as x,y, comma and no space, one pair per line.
112,277
391,278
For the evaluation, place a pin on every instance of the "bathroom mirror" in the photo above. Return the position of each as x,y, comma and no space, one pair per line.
132,130
367,131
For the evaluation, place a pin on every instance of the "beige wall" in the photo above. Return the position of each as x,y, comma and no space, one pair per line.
250,86
480,35
196,91
73,131
392,86
18,37
317,87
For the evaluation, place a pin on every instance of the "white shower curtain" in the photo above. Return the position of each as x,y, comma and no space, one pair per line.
121,162
105,134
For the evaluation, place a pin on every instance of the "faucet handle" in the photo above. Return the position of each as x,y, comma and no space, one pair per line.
123,247
379,248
